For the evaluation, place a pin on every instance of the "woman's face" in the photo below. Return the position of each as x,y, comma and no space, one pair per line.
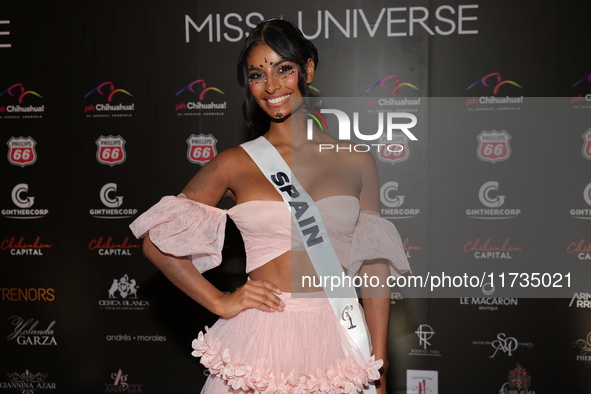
273,81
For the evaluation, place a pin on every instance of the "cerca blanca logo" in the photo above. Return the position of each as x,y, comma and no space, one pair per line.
123,295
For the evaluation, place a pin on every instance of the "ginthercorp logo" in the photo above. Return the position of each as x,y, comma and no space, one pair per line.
21,151
493,146
489,196
110,150
587,144
195,102
487,249
583,213
518,382
201,148
492,84
393,200
107,246
15,294
123,295
584,346
344,130
31,332
121,385
13,103
28,382
21,198
580,248
110,199
106,102
393,83
18,246
424,332
581,300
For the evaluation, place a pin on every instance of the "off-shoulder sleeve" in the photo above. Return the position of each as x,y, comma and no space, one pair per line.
183,227
377,238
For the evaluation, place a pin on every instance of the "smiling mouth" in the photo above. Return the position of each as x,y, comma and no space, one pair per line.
278,99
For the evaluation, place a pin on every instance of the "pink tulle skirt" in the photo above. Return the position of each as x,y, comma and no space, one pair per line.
301,350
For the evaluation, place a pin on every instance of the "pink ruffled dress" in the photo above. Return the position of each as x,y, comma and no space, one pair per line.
303,349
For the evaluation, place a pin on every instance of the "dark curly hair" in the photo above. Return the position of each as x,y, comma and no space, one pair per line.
286,40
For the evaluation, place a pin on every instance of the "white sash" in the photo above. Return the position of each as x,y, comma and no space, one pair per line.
315,238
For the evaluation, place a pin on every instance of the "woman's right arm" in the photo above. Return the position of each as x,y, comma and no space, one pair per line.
209,186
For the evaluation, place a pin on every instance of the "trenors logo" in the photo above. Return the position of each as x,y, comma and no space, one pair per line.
108,90
393,201
198,87
110,150
397,86
344,130
489,197
493,81
19,93
493,146
24,202
21,151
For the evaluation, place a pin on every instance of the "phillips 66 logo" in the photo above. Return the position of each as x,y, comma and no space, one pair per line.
395,150
493,146
201,148
21,151
110,150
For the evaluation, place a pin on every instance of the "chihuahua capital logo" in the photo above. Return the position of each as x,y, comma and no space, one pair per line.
15,96
97,108
397,86
200,107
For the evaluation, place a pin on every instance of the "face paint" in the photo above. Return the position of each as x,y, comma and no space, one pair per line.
279,115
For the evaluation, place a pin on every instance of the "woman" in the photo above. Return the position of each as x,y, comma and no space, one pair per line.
266,340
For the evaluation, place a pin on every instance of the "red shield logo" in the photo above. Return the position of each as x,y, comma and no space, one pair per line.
110,150
201,148
394,151
587,144
21,151
493,146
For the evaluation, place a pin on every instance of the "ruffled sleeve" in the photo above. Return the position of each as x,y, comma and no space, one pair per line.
377,238
183,227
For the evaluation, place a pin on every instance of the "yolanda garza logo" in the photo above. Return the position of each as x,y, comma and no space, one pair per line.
582,101
421,381
583,213
584,346
424,332
489,303
581,300
21,151
488,250
26,332
518,382
408,247
123,296
489,197
587,144
105,246
201,148
15,294
113,107
110,150
20,247
493,146
200,107
492,83
14,96
28,382
25,203
581,248
393,201
113,203
120,384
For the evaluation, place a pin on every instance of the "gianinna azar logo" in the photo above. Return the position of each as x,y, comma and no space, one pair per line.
106,101
14,100
490,86
28,382
195,103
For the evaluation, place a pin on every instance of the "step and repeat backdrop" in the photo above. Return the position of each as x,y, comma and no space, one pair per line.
107,106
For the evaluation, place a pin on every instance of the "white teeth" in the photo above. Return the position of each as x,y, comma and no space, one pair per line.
278,99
